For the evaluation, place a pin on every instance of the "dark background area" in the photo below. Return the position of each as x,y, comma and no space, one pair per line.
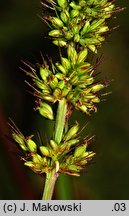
22,37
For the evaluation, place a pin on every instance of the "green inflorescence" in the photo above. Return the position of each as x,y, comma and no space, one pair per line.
79,27
82,21
67,157
72,78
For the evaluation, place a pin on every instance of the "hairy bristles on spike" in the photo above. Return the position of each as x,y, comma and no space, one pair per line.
44,20
79,28
39,138
13,126
47,6
28,64
26,72
32,86
43,59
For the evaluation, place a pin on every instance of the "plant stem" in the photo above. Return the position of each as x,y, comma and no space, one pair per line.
60,120
51,178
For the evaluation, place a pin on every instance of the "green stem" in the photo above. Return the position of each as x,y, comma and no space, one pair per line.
60,120
51,178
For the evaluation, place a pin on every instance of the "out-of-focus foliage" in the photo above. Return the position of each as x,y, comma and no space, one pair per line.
22,37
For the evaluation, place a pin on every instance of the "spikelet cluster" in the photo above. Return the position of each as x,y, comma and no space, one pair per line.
70,156
81,21
72,78
78,27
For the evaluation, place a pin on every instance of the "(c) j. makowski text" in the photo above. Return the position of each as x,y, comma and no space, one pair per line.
53,207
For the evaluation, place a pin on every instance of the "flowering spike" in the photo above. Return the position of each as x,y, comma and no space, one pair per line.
80,27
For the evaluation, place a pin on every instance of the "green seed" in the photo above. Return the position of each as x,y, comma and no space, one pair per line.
41,85
96,23
49,98
66,63
92,41
85,28
74,168
61,84
72,54
56,22
92,48
82,56
89,154
31,145
95,100
90,96
54,145
45,151
44,73
70,96
83,108
84,68
88,81
46,110
109,8
53,82
55,33
97,88
75,6
76,38
66,90
64,16
75,29
82,3
20,140
79,151
72,132
29,164
60,43
103,29
71,74
74,13
61,68
24,148
74,80
60,76
37,158
83,162
69,35
57,93
72,142
46,92
62,3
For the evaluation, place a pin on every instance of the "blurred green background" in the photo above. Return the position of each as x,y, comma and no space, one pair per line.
22,37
